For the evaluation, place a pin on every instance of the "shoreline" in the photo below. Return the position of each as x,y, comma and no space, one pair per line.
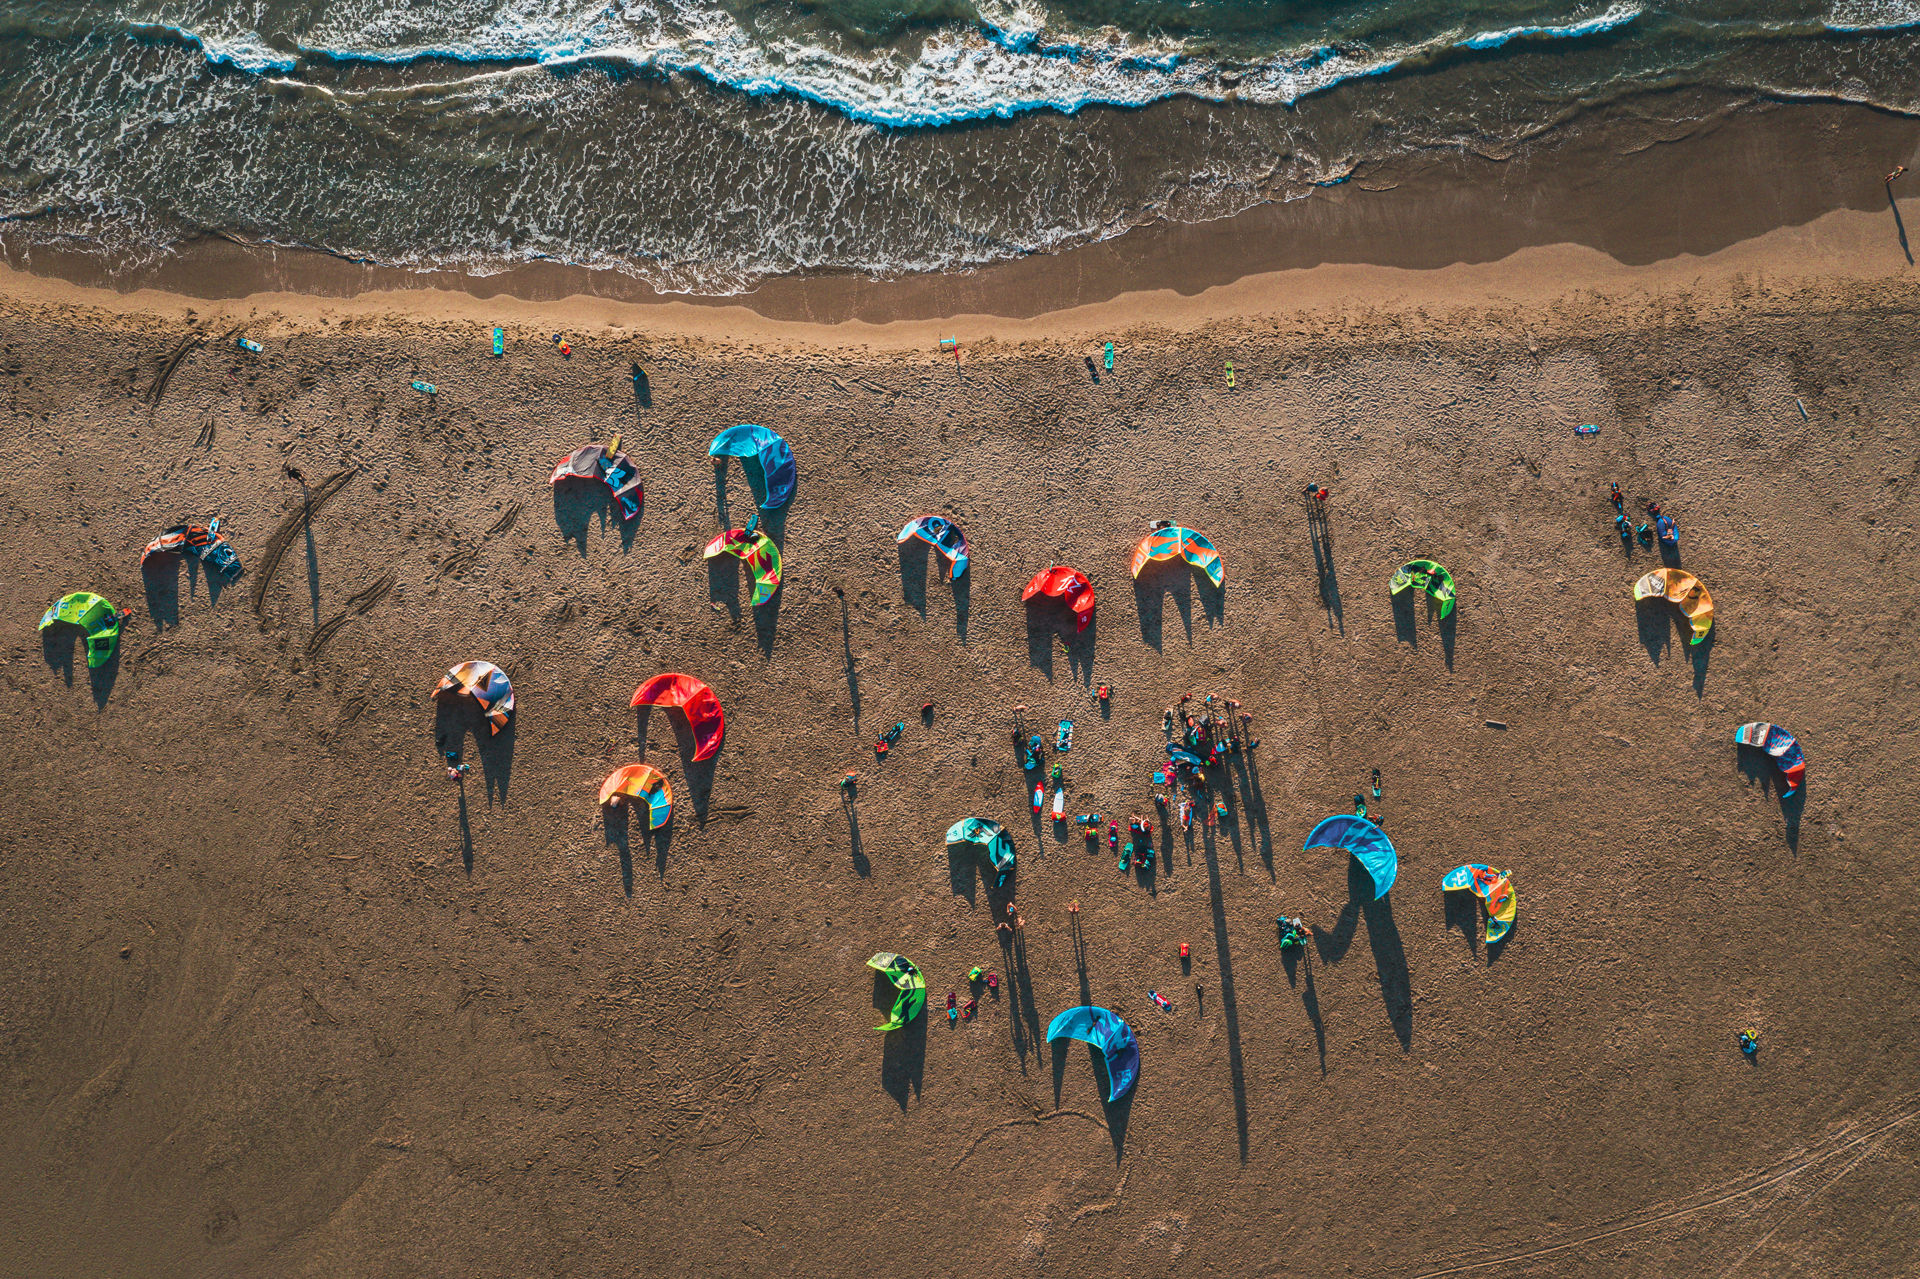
1552,220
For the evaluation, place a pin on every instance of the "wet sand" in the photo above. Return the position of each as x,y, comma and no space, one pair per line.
285,1001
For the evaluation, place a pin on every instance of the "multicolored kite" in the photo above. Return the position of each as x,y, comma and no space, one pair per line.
943,535
606,463
1782,745
94,614
1683,590
1170,541
641,782
906,979
486,684
1069,584
1108,1033
990,836
760,554
204,541
775,457
1425,575
1495,890
694,699
1368,844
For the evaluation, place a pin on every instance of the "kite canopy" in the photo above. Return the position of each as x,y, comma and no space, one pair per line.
1425,575
906,979
1683,590
486,684
1172,542
1494,888
1110,1035
1368,844
608,465
1779,743
1184,758
943,535
775,458
94,614
760,554
641,782
696,701
204,542
990,836
1069,584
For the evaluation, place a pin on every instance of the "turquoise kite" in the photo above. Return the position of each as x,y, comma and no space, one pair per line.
990,836
773,454
943,535
906,979
1368,844
1110,1035
1169,541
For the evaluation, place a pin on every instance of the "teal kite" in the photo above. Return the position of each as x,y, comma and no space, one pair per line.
1170,541
1368,844
1111,1035
773,453
991,837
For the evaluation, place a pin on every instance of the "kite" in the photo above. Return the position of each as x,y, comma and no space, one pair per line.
1070,584
1427,576
1186,759
760,554
641,782
94,614
1170,541
943,535
1493,887
1368,844
1110,1035
1684,591
486,684
906,979
775,458
606,463
990,836
205,541
1782,745
694,699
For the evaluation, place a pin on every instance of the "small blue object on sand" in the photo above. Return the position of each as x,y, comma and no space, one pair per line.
499,341
248,344
1109,357
1588,429
426,388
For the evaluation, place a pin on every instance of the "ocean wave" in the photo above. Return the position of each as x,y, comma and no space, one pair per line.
997,70
1864,17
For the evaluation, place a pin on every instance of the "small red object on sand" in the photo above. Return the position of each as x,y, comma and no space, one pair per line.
1183,950
973,1006
993,981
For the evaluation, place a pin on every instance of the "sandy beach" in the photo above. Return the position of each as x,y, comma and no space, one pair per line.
284,1000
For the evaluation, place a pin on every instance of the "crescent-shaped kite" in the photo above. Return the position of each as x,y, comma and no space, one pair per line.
606,463
1779,743
641,782
94,614
991,837
1683,590
906,979
486,684
1428,576
1111,1035
766,447
759,554
943,535
702,709
1171,541
205,542
1368,844
1494,888
1068,584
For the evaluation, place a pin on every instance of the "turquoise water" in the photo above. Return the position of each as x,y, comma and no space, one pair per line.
705,146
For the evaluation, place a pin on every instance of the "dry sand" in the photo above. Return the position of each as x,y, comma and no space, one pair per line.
284,1001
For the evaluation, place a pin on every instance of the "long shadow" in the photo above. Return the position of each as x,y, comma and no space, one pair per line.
661,841
1213,600
1117,1113
1254,805
1322,537
1462,913
619,839
1079,941
313,571
962,603
914,555
1042,626
1654,618
846,651
1445,626
903,1057
1229,1006
58,644
1296,959
1699,655
963,872
1026,1013
161,578
766,622
699,774
1389,956
466,831
723,584
1758,768
1406,629
577,504
1899,227
1158,579
1080,650
861,866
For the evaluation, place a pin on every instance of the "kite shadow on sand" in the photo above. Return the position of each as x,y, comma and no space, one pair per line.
1048,623
455,720
1756,767
1383,937
916,563
576,507
1659,623
58,645
1117,1113
1407,621
161,578
903,1058
697,772
1462,911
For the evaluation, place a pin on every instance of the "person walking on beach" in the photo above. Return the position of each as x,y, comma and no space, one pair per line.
1898,169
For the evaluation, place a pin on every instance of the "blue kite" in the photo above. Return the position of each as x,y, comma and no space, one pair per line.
1112,1036
777,468
1368,844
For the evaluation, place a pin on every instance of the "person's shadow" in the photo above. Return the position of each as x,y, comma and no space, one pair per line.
1322,538
59,644
1899,227
1759,769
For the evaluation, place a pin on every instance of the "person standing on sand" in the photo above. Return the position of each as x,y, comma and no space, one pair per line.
1898,169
